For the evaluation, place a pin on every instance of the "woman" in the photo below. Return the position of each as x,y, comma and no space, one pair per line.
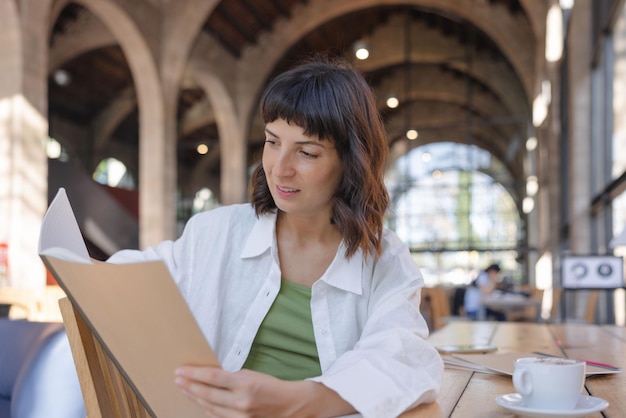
310,305
483,286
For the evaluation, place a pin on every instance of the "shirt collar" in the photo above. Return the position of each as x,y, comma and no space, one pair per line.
342,273
261,237
346,274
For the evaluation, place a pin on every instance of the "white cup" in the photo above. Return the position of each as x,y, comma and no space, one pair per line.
548,382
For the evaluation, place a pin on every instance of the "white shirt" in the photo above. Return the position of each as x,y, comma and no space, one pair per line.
369,332
474,294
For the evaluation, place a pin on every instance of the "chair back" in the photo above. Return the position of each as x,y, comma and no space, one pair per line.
105,390
436,303
591,305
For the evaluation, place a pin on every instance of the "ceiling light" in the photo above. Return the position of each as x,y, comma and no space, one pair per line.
392,102
62,77
412,134
531,143
202,149
361,50
554,34
528,204
532,186
53,148
540,110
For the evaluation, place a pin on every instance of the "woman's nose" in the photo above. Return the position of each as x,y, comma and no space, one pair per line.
284,165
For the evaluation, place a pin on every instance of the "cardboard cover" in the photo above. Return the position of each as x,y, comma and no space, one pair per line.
135,310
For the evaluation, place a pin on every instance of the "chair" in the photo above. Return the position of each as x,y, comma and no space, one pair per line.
590,306
458,301
436,307
531,313
105,391
37,374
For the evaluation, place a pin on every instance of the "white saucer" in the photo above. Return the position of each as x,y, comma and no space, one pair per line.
586,405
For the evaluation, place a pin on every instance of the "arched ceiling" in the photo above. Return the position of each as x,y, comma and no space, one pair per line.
453,81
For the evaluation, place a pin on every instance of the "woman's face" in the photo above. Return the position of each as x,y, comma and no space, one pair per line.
302,172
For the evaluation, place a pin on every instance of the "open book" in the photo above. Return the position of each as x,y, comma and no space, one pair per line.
135,310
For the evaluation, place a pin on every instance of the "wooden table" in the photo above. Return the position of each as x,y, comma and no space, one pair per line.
466,394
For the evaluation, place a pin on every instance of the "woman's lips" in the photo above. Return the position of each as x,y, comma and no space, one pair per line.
286,191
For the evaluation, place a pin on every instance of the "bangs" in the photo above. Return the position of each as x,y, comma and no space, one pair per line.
309,102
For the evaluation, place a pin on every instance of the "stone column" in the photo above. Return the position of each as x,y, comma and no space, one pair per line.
579,141
133,26
23,134
219,81
547,207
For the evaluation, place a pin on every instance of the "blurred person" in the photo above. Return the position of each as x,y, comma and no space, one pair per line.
483,285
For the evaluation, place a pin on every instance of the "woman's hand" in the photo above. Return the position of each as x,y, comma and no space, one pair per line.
247,393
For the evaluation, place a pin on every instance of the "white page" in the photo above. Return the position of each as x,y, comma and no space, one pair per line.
60,234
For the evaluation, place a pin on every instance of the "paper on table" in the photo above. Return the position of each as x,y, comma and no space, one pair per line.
135,310
451,362
501,363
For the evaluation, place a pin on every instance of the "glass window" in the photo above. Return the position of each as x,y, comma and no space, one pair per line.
112,172
619,97
452,206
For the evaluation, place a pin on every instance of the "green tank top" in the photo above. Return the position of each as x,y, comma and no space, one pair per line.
284,346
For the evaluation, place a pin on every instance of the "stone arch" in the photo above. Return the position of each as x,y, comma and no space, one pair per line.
156,153
536,12
180,32
506,86
98,36
233,156
212,75
504,31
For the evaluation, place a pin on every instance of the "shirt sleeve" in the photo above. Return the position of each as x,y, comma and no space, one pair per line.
177,255
392,367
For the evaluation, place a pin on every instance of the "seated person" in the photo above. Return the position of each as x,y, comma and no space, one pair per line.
484,285
311,305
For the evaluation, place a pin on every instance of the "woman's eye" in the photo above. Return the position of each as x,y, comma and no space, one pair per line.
308,154
270,141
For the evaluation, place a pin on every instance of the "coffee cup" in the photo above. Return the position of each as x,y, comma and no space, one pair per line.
549,383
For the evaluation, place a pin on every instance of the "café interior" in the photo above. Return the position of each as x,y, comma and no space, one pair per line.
504,115
506,122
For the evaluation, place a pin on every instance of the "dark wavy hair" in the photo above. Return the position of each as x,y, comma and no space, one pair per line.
331,100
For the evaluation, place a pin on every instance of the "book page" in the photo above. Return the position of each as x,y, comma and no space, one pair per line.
59,229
